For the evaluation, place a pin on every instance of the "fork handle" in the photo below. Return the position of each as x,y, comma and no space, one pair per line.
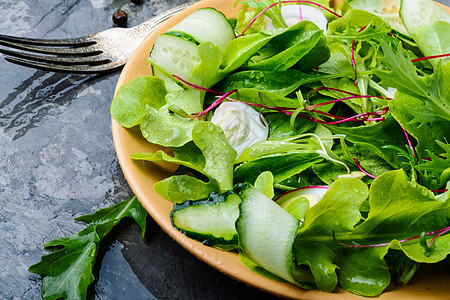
143,29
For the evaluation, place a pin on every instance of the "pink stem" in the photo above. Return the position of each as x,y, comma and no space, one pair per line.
284,2
410,144
438,235
440,232
215,103
339,100
353,58
439,191
345,92
361,169
195,86
430,57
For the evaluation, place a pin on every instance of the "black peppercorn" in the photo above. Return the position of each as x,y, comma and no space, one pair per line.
120,17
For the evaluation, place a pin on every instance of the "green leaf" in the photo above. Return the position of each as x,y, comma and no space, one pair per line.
404,109
374,137
238,51
289,47
439,165
130,105
280,127
205,74
321,261
219,154
67,272
354,19
264,183
160,155
338,210
433,39
180,188
282,166
401,209
363,271
428,90
165,128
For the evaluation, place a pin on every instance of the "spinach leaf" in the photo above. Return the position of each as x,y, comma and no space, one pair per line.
363,271
287,48
282,166
67,272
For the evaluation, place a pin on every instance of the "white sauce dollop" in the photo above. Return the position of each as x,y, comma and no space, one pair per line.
242,125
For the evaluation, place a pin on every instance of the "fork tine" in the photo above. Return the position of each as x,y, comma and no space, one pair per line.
87,50
80,60
83,69
81,41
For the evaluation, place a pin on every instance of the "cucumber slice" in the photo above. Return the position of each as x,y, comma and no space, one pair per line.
266,232
183,35
386,10
209,221
417,13
207,24
172,55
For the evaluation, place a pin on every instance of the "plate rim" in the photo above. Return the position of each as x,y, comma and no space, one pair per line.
223,261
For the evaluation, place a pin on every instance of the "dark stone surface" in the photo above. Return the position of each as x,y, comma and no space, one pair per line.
57,161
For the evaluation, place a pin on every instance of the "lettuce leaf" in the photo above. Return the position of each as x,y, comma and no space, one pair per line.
399,210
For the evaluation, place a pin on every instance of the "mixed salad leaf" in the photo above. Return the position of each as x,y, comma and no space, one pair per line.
361,110
67,271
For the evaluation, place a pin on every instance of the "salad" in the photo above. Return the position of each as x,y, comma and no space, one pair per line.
321,156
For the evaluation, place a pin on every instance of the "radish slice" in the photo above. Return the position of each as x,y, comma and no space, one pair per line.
292,14
313,194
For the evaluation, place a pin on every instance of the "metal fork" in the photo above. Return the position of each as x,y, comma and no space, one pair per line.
102,52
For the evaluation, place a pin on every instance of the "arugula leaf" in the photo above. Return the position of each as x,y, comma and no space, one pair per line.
439,165
374,137
67,272
402,75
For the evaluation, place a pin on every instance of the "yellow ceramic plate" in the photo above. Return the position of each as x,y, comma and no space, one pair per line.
141,177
